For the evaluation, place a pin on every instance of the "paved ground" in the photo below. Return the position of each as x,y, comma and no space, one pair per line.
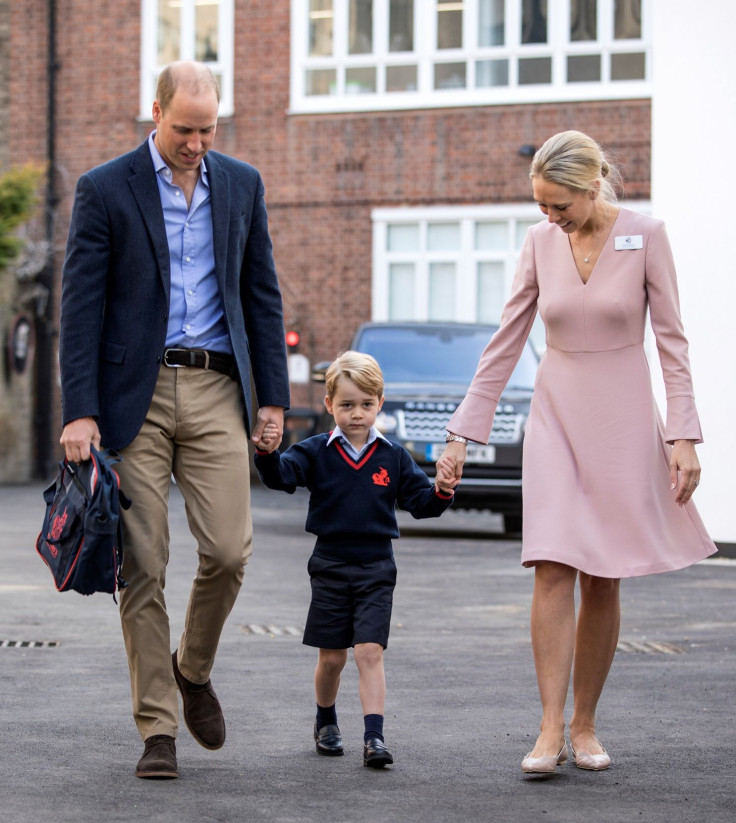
462,703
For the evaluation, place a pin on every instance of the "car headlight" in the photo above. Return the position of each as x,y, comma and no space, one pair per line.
386,422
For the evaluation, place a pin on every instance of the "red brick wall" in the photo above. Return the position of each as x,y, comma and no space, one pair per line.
323,174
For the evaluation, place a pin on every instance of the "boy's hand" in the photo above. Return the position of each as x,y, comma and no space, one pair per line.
451,462
268,416
270,438
446,479
442,486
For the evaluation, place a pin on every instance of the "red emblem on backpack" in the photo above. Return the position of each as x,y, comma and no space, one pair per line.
57,527
381,478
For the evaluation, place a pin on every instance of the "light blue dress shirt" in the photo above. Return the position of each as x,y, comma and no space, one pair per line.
337,434
196,316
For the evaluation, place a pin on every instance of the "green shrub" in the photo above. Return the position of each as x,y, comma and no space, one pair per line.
18,197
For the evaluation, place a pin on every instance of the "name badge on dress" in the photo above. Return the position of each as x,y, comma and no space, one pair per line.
628,241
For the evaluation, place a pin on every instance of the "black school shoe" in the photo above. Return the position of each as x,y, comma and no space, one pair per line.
328,740
375,754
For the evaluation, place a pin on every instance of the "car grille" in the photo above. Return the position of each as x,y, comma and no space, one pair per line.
429,425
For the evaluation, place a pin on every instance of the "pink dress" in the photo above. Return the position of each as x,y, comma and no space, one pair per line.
596,456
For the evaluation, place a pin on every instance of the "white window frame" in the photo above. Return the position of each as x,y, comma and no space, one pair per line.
223,67
426,55
465,258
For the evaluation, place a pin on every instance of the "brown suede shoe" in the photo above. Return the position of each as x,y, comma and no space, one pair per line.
159,758
202,712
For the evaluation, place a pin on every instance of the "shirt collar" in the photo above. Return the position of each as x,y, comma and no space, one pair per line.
373,434
159,164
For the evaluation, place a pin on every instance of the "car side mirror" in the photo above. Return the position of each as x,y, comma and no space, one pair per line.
319,371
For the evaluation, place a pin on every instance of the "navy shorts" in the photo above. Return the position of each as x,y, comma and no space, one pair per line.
351,602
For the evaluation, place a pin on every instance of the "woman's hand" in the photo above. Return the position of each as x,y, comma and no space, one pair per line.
684,470
450,464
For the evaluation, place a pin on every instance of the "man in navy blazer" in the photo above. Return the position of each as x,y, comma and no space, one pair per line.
170,307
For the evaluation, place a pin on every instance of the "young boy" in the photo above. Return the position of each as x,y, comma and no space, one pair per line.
355,477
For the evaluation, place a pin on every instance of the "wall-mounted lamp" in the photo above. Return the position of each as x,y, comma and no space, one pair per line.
527,150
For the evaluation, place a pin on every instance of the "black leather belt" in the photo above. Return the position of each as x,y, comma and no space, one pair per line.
201,359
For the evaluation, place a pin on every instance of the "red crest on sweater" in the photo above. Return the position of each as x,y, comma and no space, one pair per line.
381,478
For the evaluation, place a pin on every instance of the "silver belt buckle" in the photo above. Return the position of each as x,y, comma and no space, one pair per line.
171,365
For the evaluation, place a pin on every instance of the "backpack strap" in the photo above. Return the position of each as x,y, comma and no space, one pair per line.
108,458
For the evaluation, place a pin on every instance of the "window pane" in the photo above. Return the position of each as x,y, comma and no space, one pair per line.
491,23
321,81
401,25
583,68
443,236
449,75
534,21
360,35
491,73
628,66
583,20
442,291
535,70
219,78
627,20
401,78
522,226
490,296
360,81
207,25
491,235
538,335
403,237
169,32
401,291
449,24
320,27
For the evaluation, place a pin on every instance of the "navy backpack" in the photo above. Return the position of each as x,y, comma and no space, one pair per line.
81,539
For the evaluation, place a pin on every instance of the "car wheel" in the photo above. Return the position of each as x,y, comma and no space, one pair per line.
512,523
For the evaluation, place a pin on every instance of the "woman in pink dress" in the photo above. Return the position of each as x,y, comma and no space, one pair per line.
606,484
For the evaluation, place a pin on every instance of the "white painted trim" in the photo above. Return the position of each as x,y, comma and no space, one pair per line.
426,56
224,66
465,258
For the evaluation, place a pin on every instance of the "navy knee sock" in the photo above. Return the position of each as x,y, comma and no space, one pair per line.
326,716
373,726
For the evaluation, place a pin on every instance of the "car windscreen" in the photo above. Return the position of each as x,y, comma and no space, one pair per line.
437,354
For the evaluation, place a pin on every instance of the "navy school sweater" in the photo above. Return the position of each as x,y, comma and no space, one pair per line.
351,503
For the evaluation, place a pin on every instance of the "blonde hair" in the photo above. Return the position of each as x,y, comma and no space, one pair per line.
576,161
361,368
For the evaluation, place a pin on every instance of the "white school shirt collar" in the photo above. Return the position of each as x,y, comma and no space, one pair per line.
373,435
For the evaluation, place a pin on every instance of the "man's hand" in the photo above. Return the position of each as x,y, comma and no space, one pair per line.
269,440
76,437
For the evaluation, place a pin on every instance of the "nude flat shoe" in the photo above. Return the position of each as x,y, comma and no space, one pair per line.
546,764
592,762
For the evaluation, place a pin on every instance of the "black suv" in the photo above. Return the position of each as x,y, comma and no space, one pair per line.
427,369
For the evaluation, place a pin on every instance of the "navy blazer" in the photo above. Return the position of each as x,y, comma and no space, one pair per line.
115,291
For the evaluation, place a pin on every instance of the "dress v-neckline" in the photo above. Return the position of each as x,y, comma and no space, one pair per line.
602,249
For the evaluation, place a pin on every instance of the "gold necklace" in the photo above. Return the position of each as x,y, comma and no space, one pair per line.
586,257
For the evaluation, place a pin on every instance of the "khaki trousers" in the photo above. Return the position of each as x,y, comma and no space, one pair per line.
194,429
